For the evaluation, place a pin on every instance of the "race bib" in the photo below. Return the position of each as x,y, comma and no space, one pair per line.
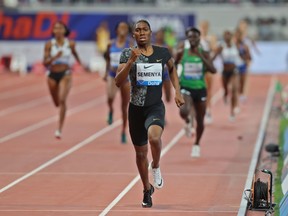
115,58
193,70
149,74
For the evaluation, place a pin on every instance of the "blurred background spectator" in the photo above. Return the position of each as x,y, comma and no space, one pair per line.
24,23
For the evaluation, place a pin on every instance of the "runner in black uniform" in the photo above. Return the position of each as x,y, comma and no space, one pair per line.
145,66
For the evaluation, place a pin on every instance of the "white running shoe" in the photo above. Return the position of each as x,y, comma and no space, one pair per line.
242,98
158,180
57,134
208,119
232,118
189,130
195,151
237,110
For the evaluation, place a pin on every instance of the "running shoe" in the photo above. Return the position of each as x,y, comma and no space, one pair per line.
147,197
242,98
232,118
208,119
110,118
237,110
195,151
157,177
189,130
57,134
123,138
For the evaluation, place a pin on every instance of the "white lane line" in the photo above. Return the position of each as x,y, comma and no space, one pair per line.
47,121
258,145
19,92
214,99
129,173
10,82
78,89
122,211
137,178
24,106
64,154
217,96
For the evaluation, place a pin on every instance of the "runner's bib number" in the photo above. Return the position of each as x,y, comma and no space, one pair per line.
193,70
149,74
115,58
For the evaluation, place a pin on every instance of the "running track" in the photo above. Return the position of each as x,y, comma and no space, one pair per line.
89,172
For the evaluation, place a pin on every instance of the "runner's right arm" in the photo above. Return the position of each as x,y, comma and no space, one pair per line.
47,58
217,52
124,68
107,58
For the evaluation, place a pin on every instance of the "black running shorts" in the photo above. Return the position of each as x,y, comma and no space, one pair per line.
197,95
228,74
141,118
58,76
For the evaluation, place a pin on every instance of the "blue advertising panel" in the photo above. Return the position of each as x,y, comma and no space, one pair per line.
38,26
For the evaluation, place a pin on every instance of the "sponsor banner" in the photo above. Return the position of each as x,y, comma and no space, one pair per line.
38,26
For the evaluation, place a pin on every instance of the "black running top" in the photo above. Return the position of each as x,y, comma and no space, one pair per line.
146,75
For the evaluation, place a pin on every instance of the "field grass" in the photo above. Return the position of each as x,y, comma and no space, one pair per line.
277,189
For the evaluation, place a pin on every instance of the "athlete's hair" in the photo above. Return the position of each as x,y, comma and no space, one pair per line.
192,29
67,31
144,21
117,25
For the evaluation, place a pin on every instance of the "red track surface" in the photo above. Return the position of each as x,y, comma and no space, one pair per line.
88,179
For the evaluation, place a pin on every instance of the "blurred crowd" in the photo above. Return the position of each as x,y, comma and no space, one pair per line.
9,3
268,28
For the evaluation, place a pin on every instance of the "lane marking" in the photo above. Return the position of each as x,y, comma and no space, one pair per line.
11,83
130,211
178,136
217,96
78,89
24,106
258,145
129,173
50,120
64,154
20,92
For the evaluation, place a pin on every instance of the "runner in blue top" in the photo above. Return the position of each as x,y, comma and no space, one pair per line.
112,56
243,63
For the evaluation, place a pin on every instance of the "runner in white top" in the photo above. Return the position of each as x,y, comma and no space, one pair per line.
231,58
57,59
207,43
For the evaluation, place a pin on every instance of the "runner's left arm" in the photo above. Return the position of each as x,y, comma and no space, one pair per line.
74,52
175,82
125,65
207,62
